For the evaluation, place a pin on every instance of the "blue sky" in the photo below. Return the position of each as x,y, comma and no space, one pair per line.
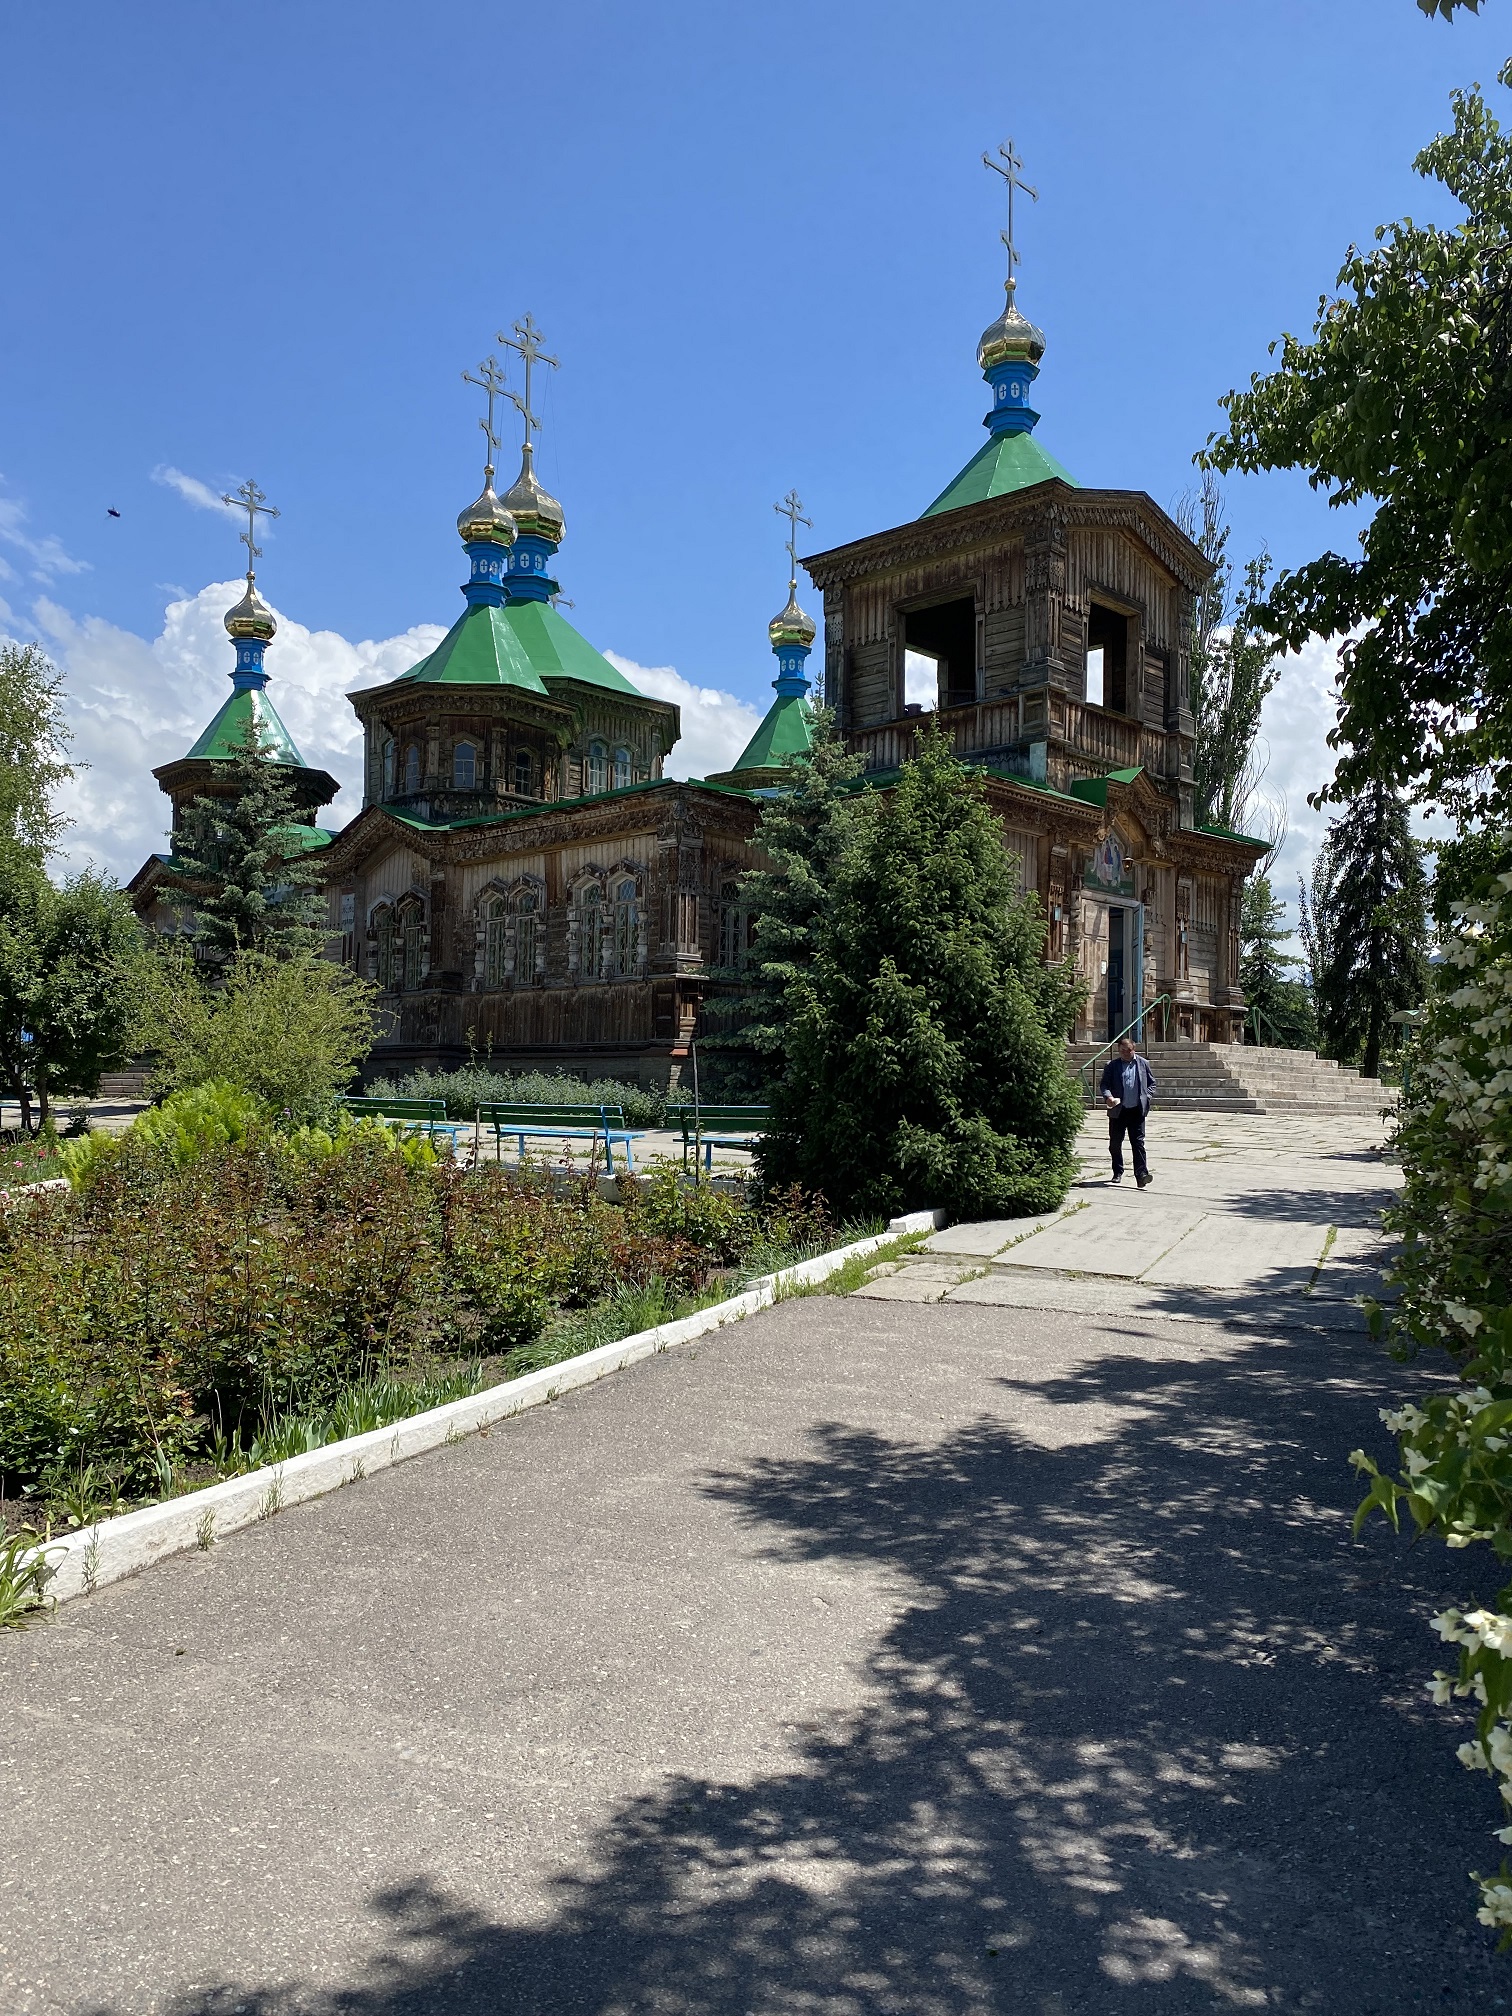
268,240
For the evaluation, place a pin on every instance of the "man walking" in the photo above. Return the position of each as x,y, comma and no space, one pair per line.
1127,1087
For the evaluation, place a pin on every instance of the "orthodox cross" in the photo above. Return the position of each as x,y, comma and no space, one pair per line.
251,500
791,508
1009,166
490,381
526,342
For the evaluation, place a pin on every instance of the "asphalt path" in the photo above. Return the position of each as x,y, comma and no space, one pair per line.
868,1656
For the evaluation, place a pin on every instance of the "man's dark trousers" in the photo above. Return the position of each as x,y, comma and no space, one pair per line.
1128,1120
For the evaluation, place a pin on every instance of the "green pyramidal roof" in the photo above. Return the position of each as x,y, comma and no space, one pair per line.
787,731
521,644
557,651
1007,462
228,736
480,649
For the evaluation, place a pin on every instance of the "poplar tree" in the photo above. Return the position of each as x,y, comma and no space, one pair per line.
921,1039
240,865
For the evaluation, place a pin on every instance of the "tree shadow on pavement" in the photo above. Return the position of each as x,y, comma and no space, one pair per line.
1148,1735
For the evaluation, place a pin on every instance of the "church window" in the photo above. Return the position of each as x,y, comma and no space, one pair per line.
626,945
390,965
945,634
464,766
527,930
412,768
412,941
524,773
598,767
388,766
621,768
496,943
590,932
734,928
1107,659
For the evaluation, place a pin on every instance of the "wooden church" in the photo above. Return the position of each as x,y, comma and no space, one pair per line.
523,880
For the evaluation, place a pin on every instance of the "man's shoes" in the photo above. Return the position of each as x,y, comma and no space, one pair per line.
1144,1182
1119,1177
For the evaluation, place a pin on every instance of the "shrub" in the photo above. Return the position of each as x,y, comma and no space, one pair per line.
290,1032
1455,1277
473,1085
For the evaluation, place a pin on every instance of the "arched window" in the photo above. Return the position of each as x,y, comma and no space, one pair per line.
598,767
390,964
412,940
734,930
464,766
626,942
524,773
621,768
527,936
496,942
412,768
590,932
388,766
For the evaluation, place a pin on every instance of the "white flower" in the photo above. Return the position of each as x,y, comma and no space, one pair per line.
1405,1420
1416,1462
1490,1630
1441,1687
1447,1624
1473,1757
1467,1318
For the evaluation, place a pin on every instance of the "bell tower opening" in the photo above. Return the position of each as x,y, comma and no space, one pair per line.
947,633
1107,678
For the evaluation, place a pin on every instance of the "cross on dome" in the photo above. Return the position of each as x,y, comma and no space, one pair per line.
526,343
250,499
490,382
1009,165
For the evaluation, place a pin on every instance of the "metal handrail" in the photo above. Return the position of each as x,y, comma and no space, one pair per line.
1259,1037
1137,1022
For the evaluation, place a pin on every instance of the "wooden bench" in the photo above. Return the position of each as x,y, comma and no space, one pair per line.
416,1116
528,1122
733,1127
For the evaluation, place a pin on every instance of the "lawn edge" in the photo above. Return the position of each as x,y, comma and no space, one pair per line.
87,1560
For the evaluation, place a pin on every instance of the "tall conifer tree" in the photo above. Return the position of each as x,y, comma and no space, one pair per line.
239,865
1369,924
922,1039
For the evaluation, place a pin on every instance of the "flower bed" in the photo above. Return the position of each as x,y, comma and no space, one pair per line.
200,1304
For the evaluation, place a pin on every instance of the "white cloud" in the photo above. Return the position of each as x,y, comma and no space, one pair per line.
715,726
47,555
133,704
190,488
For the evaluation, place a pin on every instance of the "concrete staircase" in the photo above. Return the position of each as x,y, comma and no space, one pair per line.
1235,1078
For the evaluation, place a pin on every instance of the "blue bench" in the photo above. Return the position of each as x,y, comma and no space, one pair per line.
530,1122
733,1127
416,1116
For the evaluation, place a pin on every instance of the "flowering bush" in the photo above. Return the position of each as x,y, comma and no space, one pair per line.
1455,1278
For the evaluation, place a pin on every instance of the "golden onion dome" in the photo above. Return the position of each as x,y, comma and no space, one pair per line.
251,617
536,512
486,520
790,625
1012,338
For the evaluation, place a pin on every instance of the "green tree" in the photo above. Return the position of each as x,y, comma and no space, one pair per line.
1369,921
33,743
1402,403
65,957
1233,666
1284,1005
289,1028
806,833
922,1038
241,864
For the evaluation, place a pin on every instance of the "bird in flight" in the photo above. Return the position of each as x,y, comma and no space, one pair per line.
111,511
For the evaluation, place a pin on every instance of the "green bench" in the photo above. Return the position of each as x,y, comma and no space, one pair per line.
720,1127
529,1122
418,1116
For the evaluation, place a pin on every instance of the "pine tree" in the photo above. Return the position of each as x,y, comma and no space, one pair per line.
239,862
1285,1013
1369,925
922,1039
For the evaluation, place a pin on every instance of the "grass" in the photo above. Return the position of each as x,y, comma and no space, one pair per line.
24,1160
372,1403
24,1575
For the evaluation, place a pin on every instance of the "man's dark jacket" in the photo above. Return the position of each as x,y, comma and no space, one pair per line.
1112,1081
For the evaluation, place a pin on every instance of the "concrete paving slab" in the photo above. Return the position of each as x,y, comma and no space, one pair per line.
1270,1255
1086,1295
1105,1239
981,1238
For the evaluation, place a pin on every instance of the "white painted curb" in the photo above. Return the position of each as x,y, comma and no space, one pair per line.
84,1561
